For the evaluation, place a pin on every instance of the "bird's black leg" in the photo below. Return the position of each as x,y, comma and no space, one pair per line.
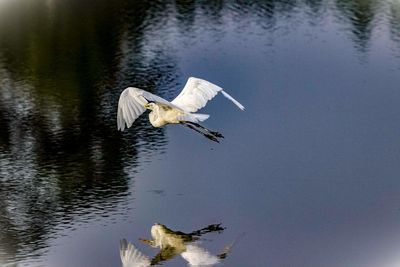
207,133
215,133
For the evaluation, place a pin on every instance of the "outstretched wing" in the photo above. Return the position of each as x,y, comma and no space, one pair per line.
197,92
131,105
131,256
197,256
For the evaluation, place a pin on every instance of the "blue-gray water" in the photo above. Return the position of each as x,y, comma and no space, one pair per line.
308,175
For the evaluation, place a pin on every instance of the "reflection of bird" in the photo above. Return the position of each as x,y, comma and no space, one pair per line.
171,244
133,102
131,257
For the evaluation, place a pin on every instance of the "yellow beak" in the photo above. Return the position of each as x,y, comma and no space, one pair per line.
148,242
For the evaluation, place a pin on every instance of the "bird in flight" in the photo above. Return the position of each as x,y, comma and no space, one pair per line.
133,102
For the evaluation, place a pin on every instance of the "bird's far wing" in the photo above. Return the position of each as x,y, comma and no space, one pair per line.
227,249
131,105
197,92
131,256
197,256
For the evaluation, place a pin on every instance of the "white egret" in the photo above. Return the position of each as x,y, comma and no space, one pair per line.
172,243
195,95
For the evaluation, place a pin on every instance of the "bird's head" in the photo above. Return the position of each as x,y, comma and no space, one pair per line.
150,105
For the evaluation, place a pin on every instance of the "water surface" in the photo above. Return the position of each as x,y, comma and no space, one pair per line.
308,175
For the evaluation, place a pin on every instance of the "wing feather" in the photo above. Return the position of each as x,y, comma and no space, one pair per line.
131,105
131,256
197,92
197,256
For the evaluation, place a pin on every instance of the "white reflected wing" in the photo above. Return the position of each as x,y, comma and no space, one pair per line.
131,256
131,105
197,256
197,92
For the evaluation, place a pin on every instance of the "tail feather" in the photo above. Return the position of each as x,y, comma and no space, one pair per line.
201,117
194,117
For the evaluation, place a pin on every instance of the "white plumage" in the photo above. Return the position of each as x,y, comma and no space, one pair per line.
131,256
197,256
171,244
195,95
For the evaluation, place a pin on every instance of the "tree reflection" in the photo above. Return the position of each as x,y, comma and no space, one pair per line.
394,20
61,157
360,14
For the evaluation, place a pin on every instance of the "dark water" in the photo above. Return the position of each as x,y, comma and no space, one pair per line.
308,175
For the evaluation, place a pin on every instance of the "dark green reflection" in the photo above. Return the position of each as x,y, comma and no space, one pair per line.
61,72
360,15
